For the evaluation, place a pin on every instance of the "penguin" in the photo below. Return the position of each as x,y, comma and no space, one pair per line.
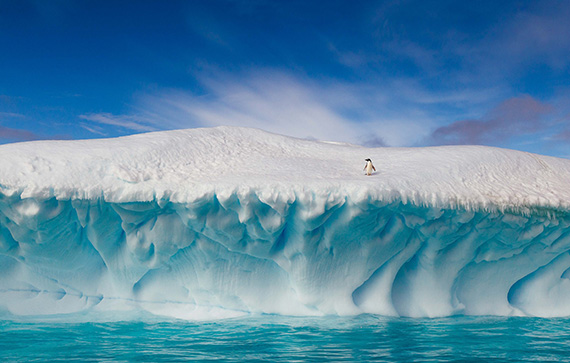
369,167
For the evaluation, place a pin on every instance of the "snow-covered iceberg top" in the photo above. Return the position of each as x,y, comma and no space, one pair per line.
183,165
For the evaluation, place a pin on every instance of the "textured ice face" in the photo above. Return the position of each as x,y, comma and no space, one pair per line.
306,255
222,222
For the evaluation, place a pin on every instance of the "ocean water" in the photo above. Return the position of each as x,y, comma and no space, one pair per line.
285,339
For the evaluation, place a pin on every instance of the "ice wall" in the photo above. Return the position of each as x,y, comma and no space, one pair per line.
297,254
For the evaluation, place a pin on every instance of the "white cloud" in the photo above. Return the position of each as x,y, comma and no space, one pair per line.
396,112
294,106
275,103
93,129
11,115
124,121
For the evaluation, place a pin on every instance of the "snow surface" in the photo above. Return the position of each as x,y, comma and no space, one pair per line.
227,221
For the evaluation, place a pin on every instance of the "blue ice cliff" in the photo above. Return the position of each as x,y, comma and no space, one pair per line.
219,222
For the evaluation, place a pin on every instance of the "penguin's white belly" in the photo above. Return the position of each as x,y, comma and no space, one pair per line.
369,168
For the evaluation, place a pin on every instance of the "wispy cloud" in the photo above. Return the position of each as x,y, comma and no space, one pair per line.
9,134
460,45
539,33
295,106
11,115
273,102
12,134
123,121
513,117
562,136
397,112
93,129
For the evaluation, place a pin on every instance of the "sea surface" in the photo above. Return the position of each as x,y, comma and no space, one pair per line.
284,339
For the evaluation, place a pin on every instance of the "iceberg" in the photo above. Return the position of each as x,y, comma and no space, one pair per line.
222,222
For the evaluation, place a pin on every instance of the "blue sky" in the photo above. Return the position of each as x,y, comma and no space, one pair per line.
375,73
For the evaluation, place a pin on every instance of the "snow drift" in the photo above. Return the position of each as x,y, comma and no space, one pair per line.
227,221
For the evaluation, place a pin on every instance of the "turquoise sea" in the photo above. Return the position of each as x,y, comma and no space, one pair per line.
284,339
